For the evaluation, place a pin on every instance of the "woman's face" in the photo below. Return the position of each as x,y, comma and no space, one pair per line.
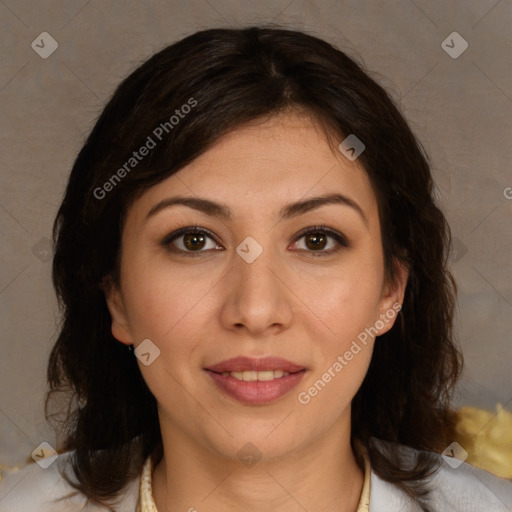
256,286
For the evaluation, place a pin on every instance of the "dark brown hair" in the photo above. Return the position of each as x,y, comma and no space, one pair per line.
233,76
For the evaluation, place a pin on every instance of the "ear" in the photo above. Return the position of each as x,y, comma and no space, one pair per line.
120,327
392,297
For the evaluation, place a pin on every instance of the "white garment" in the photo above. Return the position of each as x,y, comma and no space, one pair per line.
465,489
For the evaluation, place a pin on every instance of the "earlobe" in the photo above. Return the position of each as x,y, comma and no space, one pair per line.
116,307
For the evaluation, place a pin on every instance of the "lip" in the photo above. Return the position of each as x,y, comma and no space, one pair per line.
256,392
241,363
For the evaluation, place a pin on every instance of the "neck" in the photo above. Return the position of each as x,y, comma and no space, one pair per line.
194,478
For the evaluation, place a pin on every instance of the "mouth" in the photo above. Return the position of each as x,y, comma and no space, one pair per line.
256,381
252,376
243,364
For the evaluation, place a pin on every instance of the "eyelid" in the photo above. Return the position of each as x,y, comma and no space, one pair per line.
340,239
325,229
168,239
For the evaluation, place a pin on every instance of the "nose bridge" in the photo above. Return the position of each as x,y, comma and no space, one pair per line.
254,267
258,298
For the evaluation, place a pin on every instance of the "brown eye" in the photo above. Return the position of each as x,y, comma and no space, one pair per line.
319,241
190,241
316,241
194,241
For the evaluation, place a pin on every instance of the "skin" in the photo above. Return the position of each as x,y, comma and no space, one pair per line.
289,302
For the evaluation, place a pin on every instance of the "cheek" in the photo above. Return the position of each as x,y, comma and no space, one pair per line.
173,310
347,298
157,299
346,348
325,398
346,308
165,308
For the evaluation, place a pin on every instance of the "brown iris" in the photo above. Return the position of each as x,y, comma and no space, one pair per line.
196,240
315,240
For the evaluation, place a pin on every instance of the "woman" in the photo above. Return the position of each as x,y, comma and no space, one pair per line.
257,308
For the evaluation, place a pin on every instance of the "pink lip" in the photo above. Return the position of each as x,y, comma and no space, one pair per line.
256,392
240,364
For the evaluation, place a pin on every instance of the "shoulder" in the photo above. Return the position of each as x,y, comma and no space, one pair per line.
468,489
463,488
33,488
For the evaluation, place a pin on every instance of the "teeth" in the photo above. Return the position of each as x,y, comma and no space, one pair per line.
251,376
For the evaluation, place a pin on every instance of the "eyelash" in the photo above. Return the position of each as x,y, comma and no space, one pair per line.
340,239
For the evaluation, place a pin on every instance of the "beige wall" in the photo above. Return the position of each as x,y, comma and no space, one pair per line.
461,109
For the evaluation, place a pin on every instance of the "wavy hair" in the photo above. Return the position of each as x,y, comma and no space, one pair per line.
233,76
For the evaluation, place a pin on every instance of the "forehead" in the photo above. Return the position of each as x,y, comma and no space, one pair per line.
265,164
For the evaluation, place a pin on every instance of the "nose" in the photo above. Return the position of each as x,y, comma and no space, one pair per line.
257,296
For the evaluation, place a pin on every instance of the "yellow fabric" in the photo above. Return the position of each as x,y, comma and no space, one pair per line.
147,503
487,437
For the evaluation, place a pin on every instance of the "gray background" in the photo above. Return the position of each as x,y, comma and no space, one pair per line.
460,108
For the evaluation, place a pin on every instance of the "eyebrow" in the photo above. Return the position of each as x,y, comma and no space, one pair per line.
289,211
